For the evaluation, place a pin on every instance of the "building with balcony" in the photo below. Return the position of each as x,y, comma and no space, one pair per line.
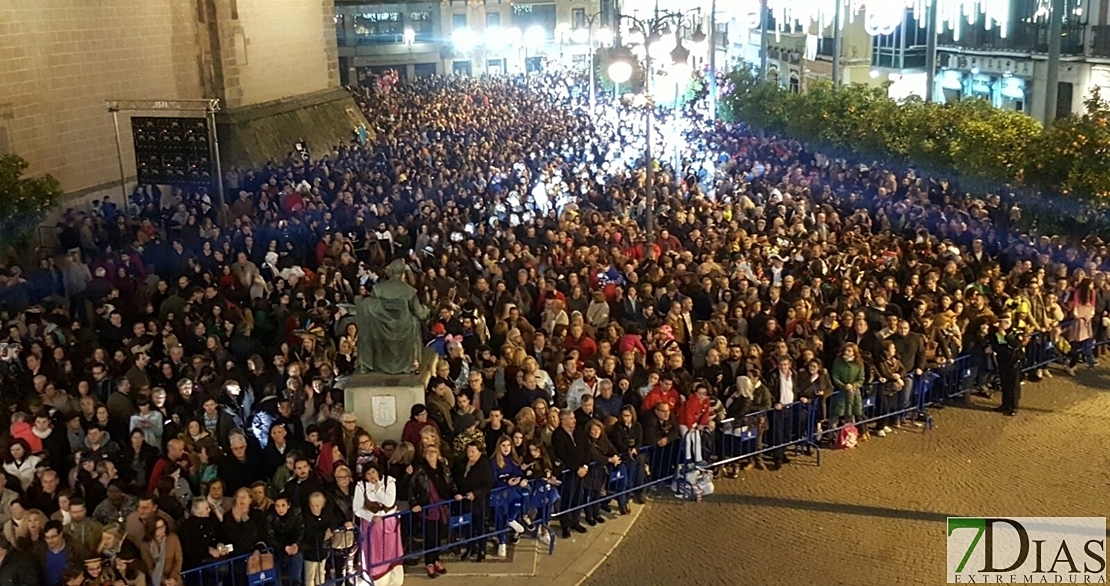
1011,70
1008,69
798,56
470,37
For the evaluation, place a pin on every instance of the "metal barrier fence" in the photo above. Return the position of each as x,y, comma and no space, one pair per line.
329,559
469,526
638,472
230,571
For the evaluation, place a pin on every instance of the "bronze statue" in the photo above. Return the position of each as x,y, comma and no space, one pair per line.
389,325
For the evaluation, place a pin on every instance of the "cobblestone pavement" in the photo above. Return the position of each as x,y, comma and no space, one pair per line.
875,515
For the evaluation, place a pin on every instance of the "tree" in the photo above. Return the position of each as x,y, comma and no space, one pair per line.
991,143
24,201
748,99
1073,156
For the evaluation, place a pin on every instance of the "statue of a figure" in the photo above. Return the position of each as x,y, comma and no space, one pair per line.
389,325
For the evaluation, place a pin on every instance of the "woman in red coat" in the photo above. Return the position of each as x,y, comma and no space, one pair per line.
694,416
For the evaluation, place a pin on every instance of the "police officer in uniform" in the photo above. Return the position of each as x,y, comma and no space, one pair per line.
1009,348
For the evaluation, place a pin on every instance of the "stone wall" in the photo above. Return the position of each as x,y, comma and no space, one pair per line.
275,49
61,59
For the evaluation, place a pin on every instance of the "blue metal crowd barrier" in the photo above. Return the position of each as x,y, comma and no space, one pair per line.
801,425
233,571
763,432
651,467
465,524
756,434
462,523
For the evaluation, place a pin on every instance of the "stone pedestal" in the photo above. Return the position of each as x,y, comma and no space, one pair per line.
382,402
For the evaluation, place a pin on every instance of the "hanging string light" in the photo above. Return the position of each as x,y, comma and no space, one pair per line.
952,14
882,18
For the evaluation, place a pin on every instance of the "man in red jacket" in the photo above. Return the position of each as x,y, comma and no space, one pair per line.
175,452
664,392
694,417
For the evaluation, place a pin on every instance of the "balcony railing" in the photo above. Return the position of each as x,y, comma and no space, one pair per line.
1022,37
382,39
895,58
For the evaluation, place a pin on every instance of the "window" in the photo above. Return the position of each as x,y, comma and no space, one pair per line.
493,19
578,18
420,23
379,27
341,28
795,85
458,21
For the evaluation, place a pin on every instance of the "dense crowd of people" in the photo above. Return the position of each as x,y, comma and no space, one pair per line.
174,387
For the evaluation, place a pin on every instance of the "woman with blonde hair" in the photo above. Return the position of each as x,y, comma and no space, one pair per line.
430,438
517,357
510,483
31,535
435,366
526,423
110,541
944,340
514,339
554,314
243,525
543,379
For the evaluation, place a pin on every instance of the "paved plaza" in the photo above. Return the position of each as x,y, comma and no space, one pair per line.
875,515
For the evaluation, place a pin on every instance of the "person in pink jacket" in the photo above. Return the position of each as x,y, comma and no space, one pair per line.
632,342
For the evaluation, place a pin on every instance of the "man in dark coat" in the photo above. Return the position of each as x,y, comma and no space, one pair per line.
661,435
16,567
303,484
568,446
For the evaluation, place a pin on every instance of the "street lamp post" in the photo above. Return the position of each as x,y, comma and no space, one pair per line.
653,30
712,40
619,72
